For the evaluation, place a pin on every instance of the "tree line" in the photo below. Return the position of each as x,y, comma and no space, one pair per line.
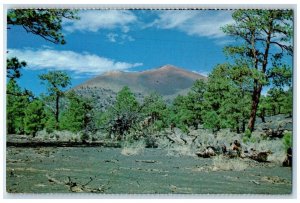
216,103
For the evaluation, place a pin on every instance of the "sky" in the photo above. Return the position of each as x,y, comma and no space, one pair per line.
124,40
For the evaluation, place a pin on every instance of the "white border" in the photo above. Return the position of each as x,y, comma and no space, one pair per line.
150,4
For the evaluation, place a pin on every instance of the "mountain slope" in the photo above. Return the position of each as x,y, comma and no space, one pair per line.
168,81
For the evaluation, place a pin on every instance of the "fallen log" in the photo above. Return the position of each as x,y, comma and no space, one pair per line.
146,161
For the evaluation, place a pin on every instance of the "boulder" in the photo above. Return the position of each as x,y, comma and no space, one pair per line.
207,153
260,156
289,158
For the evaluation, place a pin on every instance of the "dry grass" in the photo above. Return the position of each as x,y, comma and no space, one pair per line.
181,150
221,163
135,148
63,136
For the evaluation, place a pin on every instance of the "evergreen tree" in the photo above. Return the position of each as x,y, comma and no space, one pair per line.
263,108
46,23
218,86
195,101
227,100
287,106
265,36
56,82
17,102
78,114
34,119
154,106
125,113
13,67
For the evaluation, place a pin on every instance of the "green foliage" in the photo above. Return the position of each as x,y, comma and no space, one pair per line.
50,124
34,119
56,82
124,115
180,114
248,133
46,23
13,67
78,114
226,101
188,110
287,104
126,101
279,101
212,120
258,31
247,136
154,108
17,102
153,105
287,140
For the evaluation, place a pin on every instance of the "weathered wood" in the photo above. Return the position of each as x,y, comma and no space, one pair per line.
146,161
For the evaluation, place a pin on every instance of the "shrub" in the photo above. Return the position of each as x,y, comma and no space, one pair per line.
287,140
222,164
247,136
134,148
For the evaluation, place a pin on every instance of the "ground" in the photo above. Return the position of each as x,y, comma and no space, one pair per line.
107,170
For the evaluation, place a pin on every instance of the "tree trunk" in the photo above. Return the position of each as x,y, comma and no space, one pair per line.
254,106
57,112
243,126
263,118
237,126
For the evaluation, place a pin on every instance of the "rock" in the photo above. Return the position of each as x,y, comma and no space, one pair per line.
261,156
175,136
276,126
76,189
232,153
236,146
207,153
289,158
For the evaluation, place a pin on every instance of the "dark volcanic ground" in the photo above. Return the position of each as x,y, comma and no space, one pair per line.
106,170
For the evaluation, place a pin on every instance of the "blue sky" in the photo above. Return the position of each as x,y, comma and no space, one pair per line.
125,40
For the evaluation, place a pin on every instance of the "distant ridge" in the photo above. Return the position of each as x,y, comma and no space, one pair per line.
167,80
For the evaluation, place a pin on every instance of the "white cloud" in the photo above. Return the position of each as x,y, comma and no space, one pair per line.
79,63
194,22
112,37
95,20
120,38
204,73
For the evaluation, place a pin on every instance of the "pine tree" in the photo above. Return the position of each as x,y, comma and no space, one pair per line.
78,114
46,23
17,102
34,119
265,37
123,115
227,100
56,82
153,106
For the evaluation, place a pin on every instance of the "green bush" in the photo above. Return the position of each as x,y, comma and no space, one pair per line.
50,124
247,136
287,140
248,133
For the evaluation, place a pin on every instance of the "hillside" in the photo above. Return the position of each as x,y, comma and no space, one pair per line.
168,81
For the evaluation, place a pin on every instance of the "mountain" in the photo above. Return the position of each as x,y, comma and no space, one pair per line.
169,81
